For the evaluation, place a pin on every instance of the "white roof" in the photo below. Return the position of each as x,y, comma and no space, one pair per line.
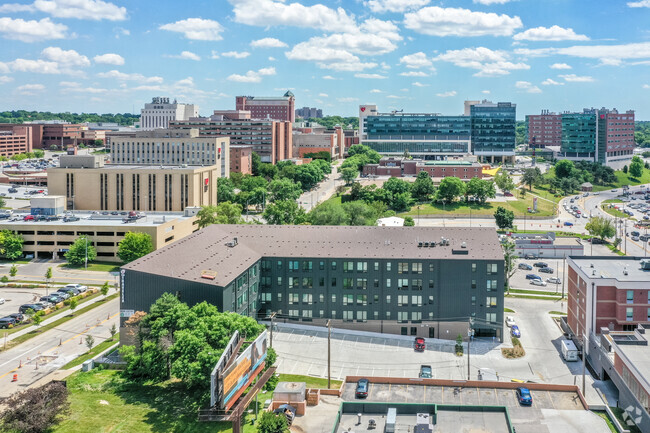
390,222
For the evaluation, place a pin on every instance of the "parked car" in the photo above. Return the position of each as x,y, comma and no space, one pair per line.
78,287
510,321
525,267
533,277
7,322
508,194
538,282
70,218
554,280
2,301
28,218
530,257
425,372
568,224
419,345
64,293
362,388
547,270
26,307
540,264
515,332
19,317
596,241
524,397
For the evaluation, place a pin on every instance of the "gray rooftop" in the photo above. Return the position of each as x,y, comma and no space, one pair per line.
627,269
88,219
639,357
206,250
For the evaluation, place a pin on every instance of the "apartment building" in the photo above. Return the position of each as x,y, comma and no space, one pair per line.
269,107
16,140
544,129
241,159
418,281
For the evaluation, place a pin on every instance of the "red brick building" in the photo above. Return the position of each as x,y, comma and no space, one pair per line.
402,167
61,135
15,141
607,292
241,159
275,108
544,129
35,132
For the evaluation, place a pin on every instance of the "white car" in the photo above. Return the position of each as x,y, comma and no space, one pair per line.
76,286
538,283
554,280
510,321
2,301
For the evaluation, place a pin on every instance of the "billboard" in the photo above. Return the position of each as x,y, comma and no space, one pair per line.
229,382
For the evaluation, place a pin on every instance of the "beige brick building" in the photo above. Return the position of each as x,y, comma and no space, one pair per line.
92,185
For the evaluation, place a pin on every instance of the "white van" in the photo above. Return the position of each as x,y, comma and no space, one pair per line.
569,351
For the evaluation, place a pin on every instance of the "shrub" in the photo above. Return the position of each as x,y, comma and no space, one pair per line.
517,351
4,279
36,410
459,345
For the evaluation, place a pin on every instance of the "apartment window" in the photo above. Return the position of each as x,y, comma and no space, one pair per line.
333,282
402,284
347,283
402,300
307,298
430,299
333,266
307,282
388,266
321,281
416,316
348,316
293,314
630,297
473,300
388,283
376,266
629,314
348,299
307,314
416,301
279,281
416,284
491,301
492,268
293,265
362,266
416,268
402,316
293,298
293,282
473,267
334,299
321,266
307,266
362,283
333,316
473,284
388,299
362,316
387,315
491,285
430,267
279,265
402,268
321,298
348,266
375,283
279,298
362,299
431,284
491,317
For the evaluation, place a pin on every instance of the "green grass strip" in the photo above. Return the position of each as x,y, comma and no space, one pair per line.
312,382
541,298
557,313
22,338
534,292
92,352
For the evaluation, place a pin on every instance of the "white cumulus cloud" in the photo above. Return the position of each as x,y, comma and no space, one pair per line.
416,60
109,59
4,79
371,76
573,78
639,4
196,28
491,2
527,87
30,89
551,82
414,74
489,63
380,6
268,43
446,94
32,30
121,76
554,33
418,84
95,10
560,66
252,76
236,54
437,21
185,55
67,57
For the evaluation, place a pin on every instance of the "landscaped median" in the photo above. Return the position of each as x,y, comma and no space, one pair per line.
92,353
29,335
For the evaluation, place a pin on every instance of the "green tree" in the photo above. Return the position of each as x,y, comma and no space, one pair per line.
35,410
636,167
90,342
37,319
481,189
510,258
284,189
39,153
408,221
449,189
328,213
284,212
113,331
104,289
269,422
360,214
256,162
73,304
625,169
601,227
401,202
531,177
133,246
225,190
564,168
504,181
48,274
423,189
504,217
13,270
81,250
11,244
395,186
349,174
223,213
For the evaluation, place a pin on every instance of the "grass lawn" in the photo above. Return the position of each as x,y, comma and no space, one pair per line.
543,192
519,207
15,262
102,401
92,352
96,266
312,382
614,212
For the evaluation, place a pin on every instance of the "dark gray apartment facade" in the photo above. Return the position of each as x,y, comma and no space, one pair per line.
428,282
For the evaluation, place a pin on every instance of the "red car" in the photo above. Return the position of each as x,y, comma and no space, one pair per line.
28,218
508,194
420,344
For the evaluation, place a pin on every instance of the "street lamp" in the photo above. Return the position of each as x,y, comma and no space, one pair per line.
86,259
470,334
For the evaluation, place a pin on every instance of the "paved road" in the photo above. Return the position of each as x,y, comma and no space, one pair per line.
52,349
322,192
36,269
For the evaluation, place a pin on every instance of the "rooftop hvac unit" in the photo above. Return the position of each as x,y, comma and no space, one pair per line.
645,264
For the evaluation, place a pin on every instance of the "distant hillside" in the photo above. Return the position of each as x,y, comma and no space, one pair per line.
21,116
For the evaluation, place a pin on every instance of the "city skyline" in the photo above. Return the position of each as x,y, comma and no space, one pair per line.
416,55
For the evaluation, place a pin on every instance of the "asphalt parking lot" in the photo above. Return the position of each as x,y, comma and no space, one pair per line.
14,298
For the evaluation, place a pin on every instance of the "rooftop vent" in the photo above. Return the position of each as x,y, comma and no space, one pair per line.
593,273
232,243
625,271
419,244
463,245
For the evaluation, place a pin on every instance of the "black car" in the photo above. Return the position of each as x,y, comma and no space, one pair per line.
51,218
7,322
362,388
26,307
13,190
540,265
19,317
115,212
547,270
69,291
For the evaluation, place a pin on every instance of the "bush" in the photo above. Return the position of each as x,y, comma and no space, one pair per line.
36,410
517,350
4,279
459,345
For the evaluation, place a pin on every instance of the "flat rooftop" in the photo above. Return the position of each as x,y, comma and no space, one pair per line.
625,269
87,219
208,249
134,167
639,357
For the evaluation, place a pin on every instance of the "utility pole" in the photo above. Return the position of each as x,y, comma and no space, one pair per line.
86,260
584,361
271,339
470,332
329,354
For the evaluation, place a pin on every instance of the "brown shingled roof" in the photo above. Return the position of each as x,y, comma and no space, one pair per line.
206,252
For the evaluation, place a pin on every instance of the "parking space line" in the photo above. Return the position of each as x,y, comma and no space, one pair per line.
496,396
407,393
549,397
424,395
478,393
443,395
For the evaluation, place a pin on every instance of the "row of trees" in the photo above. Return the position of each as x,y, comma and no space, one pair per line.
21,116
636,167
36,153
132,247
332,121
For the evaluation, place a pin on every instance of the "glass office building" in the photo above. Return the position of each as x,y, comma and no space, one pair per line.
493,130
578,135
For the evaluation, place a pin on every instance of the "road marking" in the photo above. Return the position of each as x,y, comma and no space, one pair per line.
550,398
23,354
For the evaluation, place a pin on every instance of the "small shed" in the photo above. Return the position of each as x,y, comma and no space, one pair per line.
586,187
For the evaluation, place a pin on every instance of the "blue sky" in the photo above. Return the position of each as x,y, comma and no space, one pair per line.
419,55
